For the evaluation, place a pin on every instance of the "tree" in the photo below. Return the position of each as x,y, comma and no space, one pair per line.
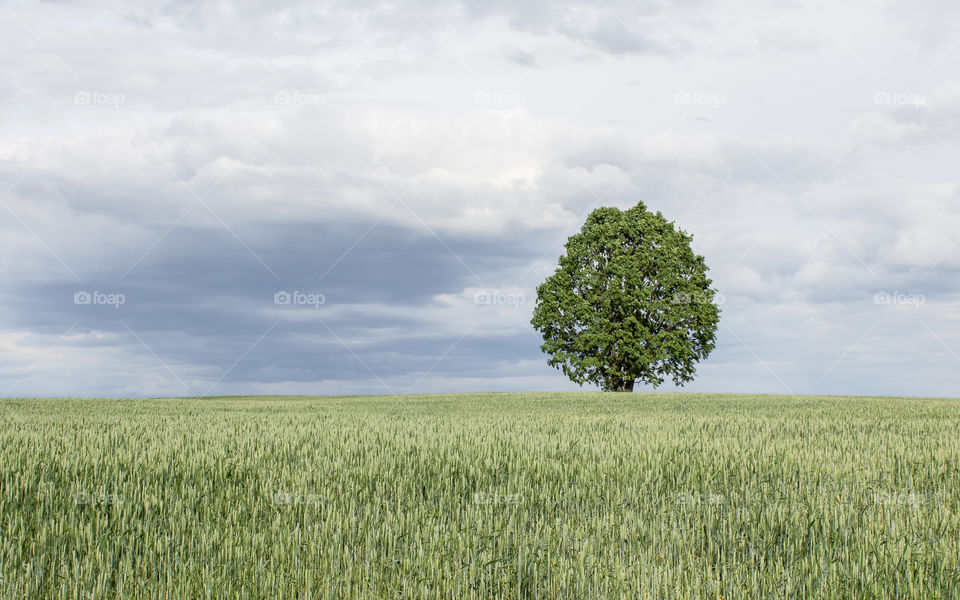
630,301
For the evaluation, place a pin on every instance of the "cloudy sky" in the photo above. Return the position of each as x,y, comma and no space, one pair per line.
203,197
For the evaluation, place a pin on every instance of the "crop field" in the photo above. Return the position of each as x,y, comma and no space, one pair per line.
481,496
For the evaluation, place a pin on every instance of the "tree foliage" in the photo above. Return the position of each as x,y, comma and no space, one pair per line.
630,301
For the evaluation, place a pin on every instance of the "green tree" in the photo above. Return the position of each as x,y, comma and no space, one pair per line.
630,301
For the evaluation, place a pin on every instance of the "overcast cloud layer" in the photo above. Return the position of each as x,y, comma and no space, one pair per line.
413,171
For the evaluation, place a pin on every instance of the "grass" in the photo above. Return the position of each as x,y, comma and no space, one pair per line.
481,496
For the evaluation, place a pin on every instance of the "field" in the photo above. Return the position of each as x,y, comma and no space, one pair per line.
481,496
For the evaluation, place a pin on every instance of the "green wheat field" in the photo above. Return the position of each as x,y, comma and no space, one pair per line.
576,495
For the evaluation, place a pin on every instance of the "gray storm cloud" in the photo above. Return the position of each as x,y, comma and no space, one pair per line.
421,168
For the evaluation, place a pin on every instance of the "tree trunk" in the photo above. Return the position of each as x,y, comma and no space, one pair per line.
625,386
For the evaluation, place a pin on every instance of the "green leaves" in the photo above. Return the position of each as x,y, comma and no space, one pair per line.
630,301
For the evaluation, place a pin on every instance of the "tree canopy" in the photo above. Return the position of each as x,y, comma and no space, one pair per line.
630,301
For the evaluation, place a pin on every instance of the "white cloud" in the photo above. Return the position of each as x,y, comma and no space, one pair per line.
408,160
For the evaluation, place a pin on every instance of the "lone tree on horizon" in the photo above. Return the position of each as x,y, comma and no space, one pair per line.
630,301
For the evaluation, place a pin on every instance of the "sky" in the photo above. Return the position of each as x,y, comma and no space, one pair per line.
211,198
